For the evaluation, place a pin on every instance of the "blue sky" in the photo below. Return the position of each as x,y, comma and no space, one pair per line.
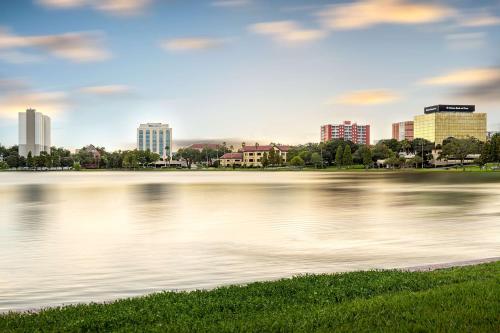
253,70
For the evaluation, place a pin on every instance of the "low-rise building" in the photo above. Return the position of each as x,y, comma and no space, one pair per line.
230,159
252,155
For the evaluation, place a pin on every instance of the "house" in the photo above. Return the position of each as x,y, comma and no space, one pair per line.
230,159
252,155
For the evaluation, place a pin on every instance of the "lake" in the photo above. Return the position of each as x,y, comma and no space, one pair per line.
68,237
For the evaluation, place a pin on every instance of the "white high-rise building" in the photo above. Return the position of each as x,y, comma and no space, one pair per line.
34,133
156,137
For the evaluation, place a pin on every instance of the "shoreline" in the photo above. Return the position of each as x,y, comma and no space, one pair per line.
410,269
462,298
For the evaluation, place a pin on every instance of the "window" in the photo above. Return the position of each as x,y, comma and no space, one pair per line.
259,154
250,160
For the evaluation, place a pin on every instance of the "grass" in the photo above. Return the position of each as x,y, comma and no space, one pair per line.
465,299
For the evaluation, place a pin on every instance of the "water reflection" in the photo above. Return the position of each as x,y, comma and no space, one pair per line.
32,206
110,235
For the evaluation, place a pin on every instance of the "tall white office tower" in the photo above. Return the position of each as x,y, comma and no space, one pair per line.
34,133
156,137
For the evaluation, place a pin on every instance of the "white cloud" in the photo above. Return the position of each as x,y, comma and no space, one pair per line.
466,40
366,97
77,46
18,57
50,103
191,43
464,77
114,89
117,7
478,19
287,32
367,13
231,3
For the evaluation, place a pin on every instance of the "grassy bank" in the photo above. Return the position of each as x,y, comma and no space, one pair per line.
455,300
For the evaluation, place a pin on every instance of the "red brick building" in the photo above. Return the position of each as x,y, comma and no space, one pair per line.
403,131
359,134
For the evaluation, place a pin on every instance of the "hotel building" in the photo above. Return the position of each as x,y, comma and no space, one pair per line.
348,131
402,131
440,122
155,137
34,133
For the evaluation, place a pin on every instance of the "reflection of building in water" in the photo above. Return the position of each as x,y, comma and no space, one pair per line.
34,133
151,200
33,209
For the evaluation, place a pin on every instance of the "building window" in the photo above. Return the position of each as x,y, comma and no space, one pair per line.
148,140
141,140
155,141
250,160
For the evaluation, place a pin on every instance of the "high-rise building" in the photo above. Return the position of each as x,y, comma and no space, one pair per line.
402,131
440,122
34,133
156,137
348,131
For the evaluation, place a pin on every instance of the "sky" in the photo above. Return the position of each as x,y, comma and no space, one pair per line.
250,70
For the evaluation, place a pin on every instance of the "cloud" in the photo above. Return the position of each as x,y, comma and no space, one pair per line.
191,44
231,3
466,40
107,90
116,7
50,103
12,85
478,19
464,77
473,84
366,13
287,32
76,47
366,97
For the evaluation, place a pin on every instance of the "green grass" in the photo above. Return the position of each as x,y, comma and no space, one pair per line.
463,299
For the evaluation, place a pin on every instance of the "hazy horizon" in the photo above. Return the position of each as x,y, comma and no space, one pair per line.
268,71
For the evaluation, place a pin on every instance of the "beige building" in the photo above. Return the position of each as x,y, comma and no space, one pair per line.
439,123
230,159
252,155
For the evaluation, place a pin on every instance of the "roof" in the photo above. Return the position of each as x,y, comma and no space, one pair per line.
264,148
232,156
205,145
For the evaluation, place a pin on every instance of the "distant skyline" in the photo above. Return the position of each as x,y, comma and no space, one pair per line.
253,70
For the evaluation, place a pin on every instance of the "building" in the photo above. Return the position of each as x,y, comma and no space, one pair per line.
155,137
252,155
440,122
230,159
34,133
348,131
403,131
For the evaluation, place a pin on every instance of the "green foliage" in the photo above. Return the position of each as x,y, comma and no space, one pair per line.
338,156
29,160
460,148
463,299
316,159
264,161
77,166
297,161
366,155
3,165
347,156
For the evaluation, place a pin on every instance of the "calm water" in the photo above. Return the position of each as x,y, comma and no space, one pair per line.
81,237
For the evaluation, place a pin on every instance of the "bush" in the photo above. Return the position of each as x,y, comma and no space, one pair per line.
77,166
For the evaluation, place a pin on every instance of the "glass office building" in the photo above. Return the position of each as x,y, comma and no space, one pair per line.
440,122
156,137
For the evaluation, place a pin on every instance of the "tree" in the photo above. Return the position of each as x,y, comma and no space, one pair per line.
347,156
296,161
77,166
316,159
265,160
366,156
459,149
29,160
12,161
338,156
